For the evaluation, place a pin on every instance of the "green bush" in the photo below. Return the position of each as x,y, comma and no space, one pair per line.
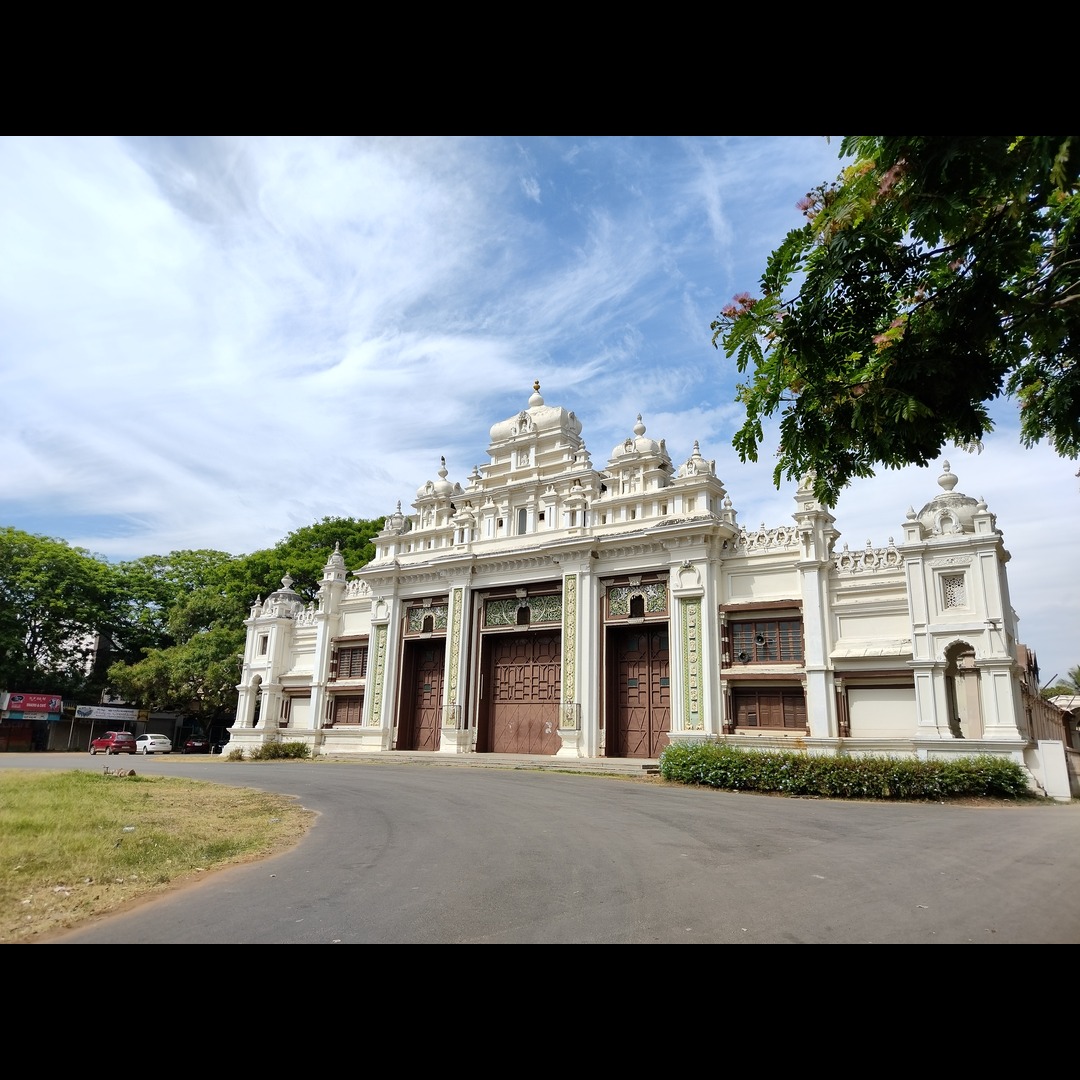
274,751
718,765
236,754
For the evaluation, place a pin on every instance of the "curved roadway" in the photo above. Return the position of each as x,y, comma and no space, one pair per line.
419,853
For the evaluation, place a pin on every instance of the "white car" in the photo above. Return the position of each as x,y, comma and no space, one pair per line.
153,744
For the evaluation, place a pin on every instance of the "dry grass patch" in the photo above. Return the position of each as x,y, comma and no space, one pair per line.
75,845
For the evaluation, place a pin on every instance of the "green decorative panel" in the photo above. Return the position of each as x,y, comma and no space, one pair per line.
542,609
379,673
546,609
569,637
654,595
501,612
440,616
690,646
455,644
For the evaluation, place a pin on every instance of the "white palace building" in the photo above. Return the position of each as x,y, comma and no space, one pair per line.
549,607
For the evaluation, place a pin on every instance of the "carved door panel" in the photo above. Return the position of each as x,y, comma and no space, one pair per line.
423,696
524,687
642,692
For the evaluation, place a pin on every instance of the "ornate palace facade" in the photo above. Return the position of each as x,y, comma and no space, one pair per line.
547,606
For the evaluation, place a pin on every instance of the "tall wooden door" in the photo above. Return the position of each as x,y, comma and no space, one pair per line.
524,682
641,693
422,696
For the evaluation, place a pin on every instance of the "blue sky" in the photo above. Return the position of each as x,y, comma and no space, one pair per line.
210,342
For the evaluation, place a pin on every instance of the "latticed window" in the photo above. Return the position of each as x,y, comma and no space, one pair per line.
347,710
770,708
350,662
954,595
767,641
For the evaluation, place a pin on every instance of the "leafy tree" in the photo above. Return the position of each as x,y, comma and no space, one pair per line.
54,602
166,597
184,634
197,601
935,274
302,555
197,677
1070,685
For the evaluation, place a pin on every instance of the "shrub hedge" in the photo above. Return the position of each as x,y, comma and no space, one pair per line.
787,772
273,751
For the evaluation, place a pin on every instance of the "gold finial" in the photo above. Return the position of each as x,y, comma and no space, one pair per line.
536,385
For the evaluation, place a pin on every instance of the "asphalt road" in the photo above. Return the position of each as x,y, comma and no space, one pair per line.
417,853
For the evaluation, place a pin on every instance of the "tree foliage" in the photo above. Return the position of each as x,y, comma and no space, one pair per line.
197,676
1067,687
302,555
174,623
935,274
166,596
54,602
197,602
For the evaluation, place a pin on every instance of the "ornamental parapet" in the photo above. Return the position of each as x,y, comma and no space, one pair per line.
782,538
870,560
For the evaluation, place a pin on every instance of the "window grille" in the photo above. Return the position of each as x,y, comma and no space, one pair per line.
953,591
767,641
352,662
347,710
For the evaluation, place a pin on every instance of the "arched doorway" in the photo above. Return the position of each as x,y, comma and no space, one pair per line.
254,703
962,692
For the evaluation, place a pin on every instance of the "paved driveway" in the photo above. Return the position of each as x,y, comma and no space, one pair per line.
414,852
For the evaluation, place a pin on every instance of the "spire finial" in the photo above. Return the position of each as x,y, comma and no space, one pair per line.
947,480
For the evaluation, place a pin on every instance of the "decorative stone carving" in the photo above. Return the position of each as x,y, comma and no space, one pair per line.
763,539
868,561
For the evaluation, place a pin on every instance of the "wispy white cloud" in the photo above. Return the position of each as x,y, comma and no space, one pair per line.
211,342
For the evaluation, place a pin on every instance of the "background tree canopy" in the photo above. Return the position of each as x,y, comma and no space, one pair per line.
175,622
1069,686
54,602
196,662
935,274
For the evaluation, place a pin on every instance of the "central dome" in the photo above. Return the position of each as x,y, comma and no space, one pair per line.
536,419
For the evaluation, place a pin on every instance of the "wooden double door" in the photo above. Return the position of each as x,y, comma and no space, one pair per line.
639,691
420,721
522,686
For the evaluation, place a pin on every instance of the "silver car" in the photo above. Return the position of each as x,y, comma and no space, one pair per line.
153,744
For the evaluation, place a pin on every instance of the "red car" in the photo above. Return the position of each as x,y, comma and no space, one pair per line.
114,742
197,744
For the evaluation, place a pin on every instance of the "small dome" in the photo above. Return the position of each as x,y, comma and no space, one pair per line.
696,465
950,512
286,591
441,487
396,522
283,602
636,445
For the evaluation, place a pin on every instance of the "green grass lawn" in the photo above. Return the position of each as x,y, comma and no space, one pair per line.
76,845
